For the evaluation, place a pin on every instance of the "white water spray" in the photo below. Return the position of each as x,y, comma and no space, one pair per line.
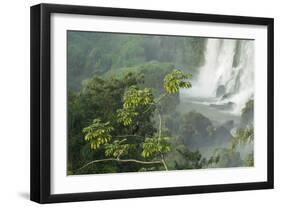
229,64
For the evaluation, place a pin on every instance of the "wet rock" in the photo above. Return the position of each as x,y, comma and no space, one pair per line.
226,106
225,96
248,113
220,91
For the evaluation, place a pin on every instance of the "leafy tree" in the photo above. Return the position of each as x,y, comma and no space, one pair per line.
242,136
196,130
249,161
98,133
99,99
226,158
135,103
192,160
96,53
153,71
248,113
176,80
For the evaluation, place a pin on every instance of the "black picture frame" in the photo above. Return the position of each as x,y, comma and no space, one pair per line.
41,97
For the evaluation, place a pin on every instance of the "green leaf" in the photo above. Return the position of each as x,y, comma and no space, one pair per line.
117,148
98,133
135,97
154,146
126,116
176,80
242,136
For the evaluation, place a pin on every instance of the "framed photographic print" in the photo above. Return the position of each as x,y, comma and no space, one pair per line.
132,103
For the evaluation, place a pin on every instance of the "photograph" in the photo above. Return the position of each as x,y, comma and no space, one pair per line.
130,103
140,103
148,102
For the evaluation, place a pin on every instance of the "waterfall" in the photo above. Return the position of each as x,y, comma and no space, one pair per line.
227,76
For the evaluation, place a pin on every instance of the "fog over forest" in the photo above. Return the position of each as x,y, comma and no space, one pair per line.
146,103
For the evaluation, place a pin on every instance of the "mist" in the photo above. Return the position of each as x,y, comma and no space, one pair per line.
220,91
208,125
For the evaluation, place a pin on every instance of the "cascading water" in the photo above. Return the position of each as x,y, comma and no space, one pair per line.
227,77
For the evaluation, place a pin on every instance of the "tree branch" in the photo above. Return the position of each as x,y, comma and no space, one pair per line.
164,162
159,137
120,160
160,126
161,97
156,102
129,135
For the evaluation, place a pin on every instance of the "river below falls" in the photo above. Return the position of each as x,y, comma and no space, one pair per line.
203,106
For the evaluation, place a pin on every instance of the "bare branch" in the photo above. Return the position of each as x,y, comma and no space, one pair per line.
120,160
156,102
164,162
129,135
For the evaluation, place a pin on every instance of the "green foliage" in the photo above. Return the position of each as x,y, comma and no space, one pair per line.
95,53
155,146
130,53
176,80
213,160
248,113
196,130
98,133
126,115
117,149
116,79
135,97
136,103
132,100
151,73
242,136
226,158
192,159
249,161
99,97
249,106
